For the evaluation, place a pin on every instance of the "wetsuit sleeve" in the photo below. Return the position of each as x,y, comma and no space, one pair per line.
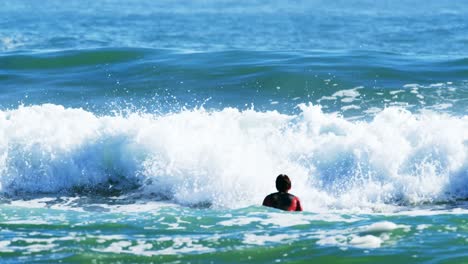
298,204
267,201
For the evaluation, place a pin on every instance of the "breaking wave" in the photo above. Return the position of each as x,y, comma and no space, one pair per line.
230,157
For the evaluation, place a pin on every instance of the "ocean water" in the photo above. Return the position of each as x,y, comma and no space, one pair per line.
150,131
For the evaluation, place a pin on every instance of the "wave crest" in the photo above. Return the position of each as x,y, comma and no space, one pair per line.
230,158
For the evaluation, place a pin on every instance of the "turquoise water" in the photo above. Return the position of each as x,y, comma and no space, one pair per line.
151,132
162,233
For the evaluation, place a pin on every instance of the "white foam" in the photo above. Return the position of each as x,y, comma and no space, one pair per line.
368,236
25,222
442,106
384,226
350,107
349,95
4,247
422,212
288,219
396,92
141,248
263,239
372,110
327,98
107,237
117,247
180,245
368,241
11,42
411,85
230,158
437,85
422,227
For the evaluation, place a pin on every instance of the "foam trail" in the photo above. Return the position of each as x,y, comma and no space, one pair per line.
230,158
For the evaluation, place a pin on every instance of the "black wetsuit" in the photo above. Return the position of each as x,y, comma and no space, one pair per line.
283,201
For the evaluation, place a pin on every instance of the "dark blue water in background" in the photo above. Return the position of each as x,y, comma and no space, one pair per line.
169,54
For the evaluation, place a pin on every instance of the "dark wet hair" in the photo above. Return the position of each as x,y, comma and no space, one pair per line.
283,183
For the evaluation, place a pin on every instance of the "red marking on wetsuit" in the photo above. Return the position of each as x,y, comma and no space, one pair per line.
283,201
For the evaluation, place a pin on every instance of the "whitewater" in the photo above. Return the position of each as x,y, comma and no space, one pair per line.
227,158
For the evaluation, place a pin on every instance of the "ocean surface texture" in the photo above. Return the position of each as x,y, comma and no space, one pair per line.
150,131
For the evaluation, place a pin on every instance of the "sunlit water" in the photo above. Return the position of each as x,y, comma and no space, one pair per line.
151,132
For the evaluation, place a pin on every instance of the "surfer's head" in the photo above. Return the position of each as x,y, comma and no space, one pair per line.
283,183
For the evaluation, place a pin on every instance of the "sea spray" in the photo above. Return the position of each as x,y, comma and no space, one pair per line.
228,158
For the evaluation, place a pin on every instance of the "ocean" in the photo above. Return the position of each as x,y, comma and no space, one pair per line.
150,131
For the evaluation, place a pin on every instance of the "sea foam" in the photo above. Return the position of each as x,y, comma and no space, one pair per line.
230,157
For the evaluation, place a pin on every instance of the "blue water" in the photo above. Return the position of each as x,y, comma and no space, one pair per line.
142,131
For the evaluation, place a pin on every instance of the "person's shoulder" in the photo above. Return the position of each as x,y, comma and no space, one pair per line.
269,199
273,196
293,196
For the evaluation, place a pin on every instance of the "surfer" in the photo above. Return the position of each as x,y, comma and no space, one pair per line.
282,199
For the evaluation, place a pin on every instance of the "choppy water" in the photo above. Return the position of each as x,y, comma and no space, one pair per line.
150,132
